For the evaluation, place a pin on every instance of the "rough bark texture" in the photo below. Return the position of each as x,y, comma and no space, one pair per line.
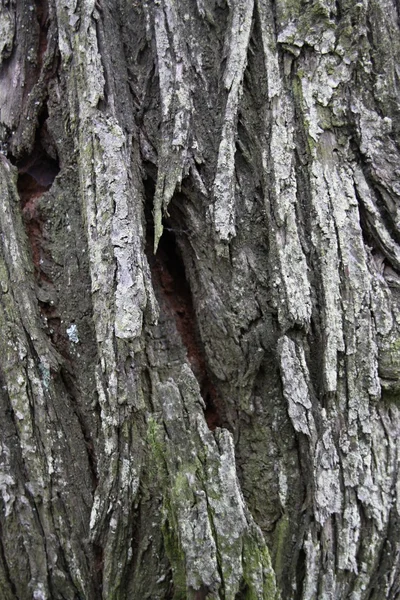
218,419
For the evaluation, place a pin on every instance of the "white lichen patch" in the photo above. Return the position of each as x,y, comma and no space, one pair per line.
72,333
7,481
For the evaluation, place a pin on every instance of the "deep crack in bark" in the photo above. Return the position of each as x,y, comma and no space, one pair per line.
170,281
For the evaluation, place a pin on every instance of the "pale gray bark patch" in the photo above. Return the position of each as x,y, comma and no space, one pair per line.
295,378
176,103
235,53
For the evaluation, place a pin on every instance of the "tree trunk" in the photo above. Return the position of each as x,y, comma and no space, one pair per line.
200,299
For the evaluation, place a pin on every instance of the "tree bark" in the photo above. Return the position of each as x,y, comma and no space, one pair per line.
200,296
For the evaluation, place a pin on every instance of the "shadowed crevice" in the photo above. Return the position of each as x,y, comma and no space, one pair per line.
40,167
36,173
170,282
300,574
98,567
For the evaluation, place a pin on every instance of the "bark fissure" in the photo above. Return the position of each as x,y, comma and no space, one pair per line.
73,395
169,279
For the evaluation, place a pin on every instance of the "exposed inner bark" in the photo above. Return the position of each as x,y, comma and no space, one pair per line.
170,281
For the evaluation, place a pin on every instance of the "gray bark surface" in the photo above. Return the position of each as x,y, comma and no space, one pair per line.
199,299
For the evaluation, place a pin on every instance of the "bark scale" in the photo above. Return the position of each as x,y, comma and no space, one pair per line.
199,276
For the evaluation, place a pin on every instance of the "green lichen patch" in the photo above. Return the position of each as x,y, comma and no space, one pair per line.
257,569
280,545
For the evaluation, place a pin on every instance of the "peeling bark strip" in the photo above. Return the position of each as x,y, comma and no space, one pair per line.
200,290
